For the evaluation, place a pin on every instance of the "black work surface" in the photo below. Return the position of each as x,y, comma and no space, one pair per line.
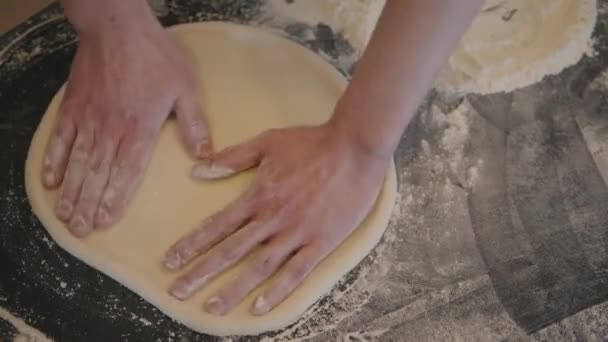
534,250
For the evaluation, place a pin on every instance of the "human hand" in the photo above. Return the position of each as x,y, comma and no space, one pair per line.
313,187
122,86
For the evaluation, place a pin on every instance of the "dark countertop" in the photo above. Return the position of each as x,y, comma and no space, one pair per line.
512,240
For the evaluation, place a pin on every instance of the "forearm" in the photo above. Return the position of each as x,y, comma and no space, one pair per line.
412,41
93,16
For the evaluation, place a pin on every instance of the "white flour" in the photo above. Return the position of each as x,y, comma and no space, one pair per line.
515,43
511,44
355,19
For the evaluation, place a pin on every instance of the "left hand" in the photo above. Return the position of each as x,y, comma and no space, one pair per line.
313,187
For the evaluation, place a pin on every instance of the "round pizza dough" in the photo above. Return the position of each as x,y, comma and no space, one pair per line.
511,44
515,43
249,80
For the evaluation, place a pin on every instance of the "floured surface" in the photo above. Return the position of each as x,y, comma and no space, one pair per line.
510,45
425,281
250,81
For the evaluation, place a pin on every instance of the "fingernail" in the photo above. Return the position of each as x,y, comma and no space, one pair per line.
103,217
215,306
49,178
211,171
179,290
64,209
182,289
260,306
78,226
173,261
202,149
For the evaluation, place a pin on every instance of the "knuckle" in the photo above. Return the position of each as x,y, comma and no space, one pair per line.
86,199
69,190
68,106
299,270
115,171
197,124
206,227
271,202
230,150
186,250
127,123
64,129
96,161
197,236
84,141
109,136
125,175
111,198
264,264
229,252
79,155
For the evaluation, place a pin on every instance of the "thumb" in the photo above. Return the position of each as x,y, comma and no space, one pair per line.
231,160
193,126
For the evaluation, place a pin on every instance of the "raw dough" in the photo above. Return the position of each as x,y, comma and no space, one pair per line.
250,80
511,44
515,43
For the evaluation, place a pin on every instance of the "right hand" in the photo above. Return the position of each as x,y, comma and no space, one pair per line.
122,86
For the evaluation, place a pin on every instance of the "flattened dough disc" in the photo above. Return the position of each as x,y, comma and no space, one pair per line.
250,81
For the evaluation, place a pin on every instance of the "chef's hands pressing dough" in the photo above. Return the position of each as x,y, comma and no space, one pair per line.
313,186
127,76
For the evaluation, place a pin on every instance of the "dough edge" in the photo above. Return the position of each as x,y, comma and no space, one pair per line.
120,273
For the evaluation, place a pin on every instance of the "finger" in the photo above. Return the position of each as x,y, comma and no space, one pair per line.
58,152
94,184
209,233
126,173
193,126
232,160
262,265
286,281
220,257
74,176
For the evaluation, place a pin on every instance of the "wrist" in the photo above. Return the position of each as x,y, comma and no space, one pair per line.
360,136
92,17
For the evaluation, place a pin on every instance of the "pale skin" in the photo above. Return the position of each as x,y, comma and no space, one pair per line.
128,76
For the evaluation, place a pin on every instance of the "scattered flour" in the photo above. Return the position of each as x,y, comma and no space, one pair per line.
364,336
515,43
355,19
594,128
447,174
601,81
25,34
452,144
480,65
511,44
145,322
142,320
346,299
